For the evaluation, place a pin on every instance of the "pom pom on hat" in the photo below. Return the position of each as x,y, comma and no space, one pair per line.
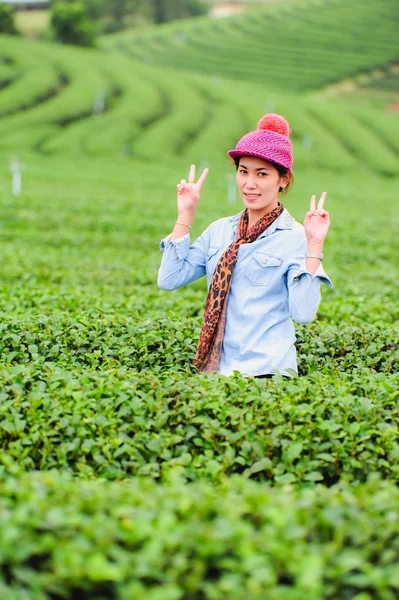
276,123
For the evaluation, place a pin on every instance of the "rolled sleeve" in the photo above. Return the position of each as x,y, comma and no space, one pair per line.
181,245
320,273
181,262
304,287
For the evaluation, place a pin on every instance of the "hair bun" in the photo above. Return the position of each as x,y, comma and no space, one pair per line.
276,123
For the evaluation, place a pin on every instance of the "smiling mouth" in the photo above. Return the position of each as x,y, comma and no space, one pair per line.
252,196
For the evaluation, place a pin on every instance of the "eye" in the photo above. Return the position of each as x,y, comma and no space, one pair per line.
243,172
263,173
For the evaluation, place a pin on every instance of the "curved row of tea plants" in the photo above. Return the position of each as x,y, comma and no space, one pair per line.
34,78
186,117
296,46
66,91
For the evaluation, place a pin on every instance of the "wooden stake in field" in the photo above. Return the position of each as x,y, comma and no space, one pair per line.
231,190
16,171
99,103
307,141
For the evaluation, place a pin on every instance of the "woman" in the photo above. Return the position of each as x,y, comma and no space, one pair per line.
263,268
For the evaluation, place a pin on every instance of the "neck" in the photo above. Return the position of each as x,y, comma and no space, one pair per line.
255,215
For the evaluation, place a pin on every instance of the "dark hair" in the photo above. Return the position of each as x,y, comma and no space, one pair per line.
281,171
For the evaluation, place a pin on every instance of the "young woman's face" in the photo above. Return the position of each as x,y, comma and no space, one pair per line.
259,182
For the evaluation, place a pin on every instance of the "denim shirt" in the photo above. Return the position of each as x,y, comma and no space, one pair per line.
270,286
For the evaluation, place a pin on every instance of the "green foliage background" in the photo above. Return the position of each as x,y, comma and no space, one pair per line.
7,20
123,473
124,14
70,23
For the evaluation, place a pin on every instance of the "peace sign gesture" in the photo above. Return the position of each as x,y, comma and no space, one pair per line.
317,221
188,192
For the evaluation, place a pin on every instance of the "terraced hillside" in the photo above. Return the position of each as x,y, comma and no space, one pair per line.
295,46
67,100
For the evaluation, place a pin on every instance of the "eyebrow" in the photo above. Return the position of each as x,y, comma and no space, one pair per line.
259,169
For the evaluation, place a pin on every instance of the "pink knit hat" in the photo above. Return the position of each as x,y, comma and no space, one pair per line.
270,141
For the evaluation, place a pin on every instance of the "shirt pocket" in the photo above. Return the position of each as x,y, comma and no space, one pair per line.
261,268
212,258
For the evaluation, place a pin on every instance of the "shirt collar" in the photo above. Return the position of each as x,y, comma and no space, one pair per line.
284,221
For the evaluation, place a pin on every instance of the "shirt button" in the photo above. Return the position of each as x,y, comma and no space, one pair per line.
265,261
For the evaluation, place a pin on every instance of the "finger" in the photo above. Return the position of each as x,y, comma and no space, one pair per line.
203,177
313,203
191,177
183,182
321,201
323,214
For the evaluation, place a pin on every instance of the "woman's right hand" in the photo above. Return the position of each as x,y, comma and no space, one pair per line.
188,193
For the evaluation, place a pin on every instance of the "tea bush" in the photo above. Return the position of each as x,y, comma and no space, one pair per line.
62,539
99,340
117,423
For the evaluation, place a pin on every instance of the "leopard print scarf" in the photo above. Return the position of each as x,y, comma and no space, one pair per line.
209,349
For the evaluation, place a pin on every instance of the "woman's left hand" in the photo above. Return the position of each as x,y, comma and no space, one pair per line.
317,221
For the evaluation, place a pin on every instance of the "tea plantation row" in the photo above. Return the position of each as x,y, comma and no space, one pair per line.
294,46
118,423
186,117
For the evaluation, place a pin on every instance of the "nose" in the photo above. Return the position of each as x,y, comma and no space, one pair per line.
250,183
